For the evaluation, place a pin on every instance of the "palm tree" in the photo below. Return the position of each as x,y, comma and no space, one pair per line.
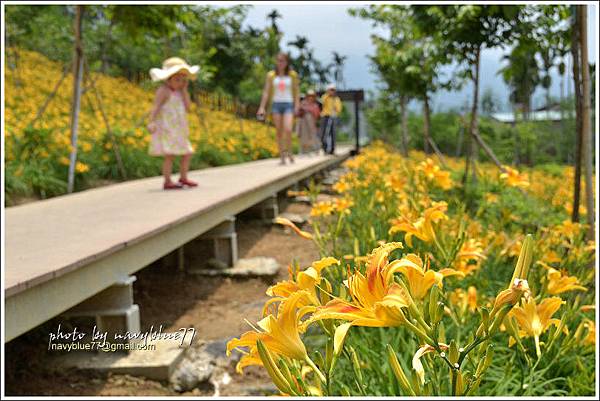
254,32
300,43
338,73
274,16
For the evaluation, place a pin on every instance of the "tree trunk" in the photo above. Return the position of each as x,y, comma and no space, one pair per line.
474,126
77,74
404,113
577,91
460,138
586,142
105,46
426,122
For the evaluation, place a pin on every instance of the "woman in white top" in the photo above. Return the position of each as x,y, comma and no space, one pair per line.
281,92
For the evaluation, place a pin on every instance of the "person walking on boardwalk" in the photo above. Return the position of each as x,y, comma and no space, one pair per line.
332,107
306,123
168,119
281,95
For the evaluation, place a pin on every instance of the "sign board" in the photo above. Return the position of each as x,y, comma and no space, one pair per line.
348,95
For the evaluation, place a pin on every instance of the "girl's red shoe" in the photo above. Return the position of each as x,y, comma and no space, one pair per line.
188,183
172,185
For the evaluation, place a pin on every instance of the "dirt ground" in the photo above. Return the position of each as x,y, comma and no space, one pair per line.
215,306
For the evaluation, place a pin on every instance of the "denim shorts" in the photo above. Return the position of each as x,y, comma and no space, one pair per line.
282,107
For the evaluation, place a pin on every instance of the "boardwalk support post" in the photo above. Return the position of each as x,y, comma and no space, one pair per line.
266,210
219,243
114,311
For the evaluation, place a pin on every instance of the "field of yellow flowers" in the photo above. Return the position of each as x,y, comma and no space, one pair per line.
426,289
37,156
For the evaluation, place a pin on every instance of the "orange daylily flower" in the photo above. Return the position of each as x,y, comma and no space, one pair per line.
376,300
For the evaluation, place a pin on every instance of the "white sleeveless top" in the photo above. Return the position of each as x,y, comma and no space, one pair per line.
282,91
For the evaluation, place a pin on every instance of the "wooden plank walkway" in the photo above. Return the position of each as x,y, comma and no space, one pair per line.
61,251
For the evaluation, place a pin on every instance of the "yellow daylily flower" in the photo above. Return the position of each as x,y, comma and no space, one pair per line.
568,229
470,251
559,283
513,178
590,337
423,227
343,205
433,173
322,209
279,334
395,181
535,319
420,278
341,186
465,300
307,280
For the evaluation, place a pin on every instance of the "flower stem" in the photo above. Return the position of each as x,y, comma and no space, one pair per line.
316,369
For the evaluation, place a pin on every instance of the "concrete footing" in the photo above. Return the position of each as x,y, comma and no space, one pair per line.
219,244
113,309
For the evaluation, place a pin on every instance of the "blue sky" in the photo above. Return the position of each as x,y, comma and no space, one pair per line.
329,27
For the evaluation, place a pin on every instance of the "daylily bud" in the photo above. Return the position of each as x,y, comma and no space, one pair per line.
442,336
459,383
453,352
271,367
439,313
488,357
500,317
524,261
398,372
510,296
414,383
485,322
356,365
324,295
434,296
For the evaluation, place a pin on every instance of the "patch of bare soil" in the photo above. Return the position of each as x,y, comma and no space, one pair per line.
215,306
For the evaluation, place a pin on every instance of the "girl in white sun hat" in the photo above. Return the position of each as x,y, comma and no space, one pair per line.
168,119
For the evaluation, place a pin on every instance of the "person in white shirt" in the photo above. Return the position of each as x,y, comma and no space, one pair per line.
281,93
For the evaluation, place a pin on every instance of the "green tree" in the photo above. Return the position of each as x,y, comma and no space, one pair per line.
408,61
463,32
489,102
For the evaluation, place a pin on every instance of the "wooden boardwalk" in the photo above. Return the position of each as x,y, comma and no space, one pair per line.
61,251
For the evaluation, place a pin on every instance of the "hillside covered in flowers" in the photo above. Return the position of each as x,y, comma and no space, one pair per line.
37,149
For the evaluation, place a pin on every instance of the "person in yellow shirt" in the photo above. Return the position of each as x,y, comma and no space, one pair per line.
332,107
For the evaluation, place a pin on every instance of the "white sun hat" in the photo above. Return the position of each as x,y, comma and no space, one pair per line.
172,66
330,86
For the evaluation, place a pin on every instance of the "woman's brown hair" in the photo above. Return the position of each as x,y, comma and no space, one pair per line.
287,63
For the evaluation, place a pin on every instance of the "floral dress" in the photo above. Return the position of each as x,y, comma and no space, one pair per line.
172,133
